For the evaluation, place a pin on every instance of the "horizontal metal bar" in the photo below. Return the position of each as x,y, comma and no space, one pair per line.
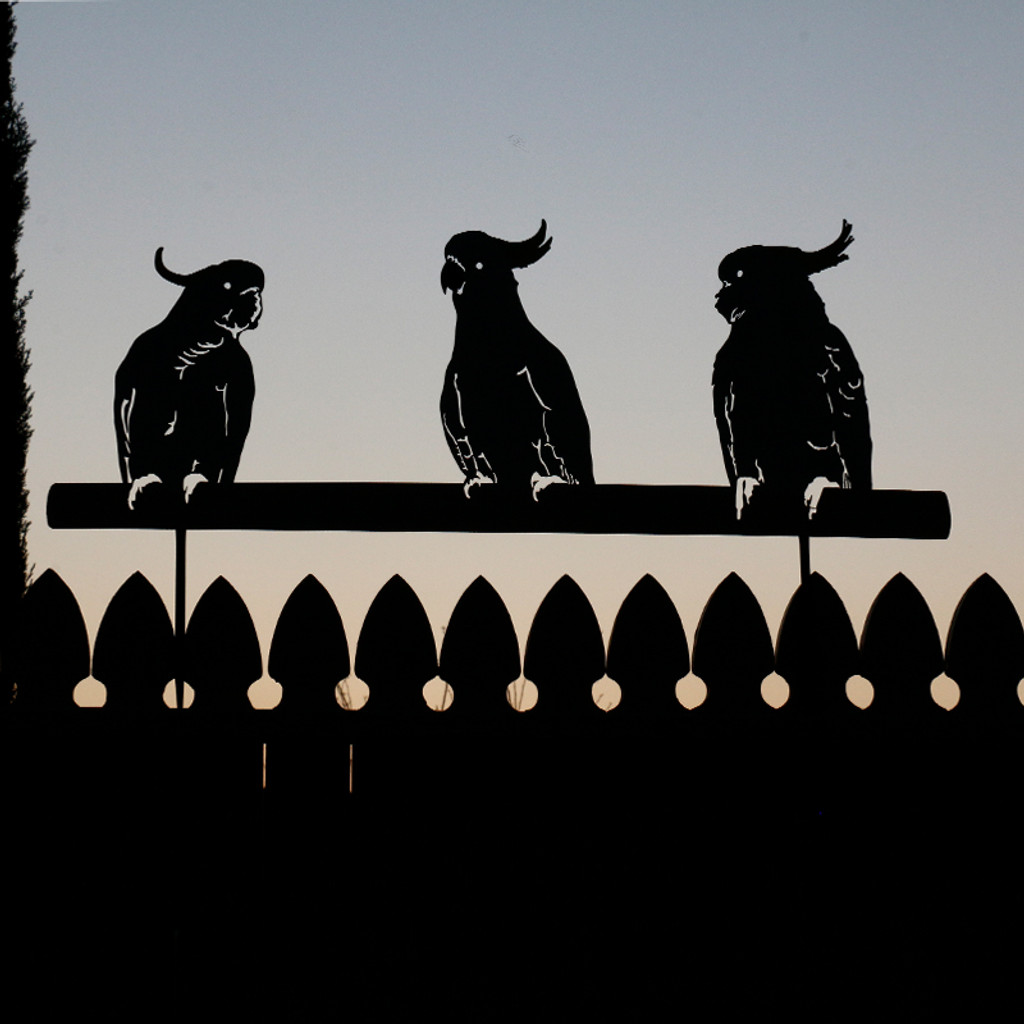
669,510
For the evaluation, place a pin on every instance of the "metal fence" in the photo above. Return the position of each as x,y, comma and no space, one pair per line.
483,861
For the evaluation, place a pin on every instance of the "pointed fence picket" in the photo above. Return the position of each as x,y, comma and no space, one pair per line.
222,773
817,652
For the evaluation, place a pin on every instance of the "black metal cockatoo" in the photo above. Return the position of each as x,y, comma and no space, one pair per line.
183,394
788,392
511,411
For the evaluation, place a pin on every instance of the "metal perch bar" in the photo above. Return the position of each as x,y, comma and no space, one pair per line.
666,510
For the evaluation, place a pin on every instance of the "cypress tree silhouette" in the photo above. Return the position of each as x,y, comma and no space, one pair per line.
15,397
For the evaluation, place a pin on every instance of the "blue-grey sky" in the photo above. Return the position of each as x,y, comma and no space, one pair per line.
339,145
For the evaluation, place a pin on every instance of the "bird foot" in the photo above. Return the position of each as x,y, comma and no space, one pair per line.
476,481
139,485
539,483
812,494
745,488
191,482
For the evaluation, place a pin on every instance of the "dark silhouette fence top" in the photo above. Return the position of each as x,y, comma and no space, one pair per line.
648,652
730,809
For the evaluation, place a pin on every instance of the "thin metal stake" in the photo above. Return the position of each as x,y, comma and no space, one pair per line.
805,557
179,617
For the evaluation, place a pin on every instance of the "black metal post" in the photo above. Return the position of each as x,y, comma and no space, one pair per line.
805,557
179,617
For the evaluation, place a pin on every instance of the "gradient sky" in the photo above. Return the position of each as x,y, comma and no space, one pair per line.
339,145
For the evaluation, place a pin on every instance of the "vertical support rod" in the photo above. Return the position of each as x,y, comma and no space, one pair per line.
179,617
805,557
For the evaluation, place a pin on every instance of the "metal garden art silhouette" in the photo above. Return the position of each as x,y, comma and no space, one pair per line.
510,408
788,395
788,392
183,395
790,405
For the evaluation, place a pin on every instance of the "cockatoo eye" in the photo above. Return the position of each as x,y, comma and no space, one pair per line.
739,273
227,286
479,266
